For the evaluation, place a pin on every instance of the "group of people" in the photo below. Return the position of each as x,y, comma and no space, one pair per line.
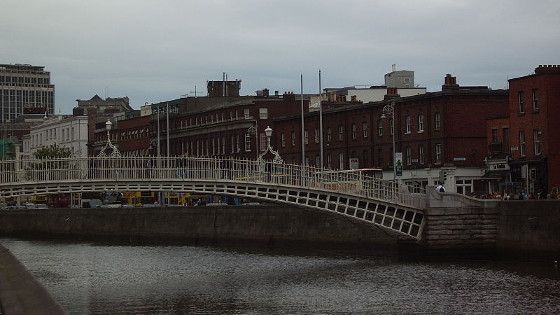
553,194
518,196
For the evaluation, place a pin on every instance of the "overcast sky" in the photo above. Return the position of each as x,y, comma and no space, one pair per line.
158,50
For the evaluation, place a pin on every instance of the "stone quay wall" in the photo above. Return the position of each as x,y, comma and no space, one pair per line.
458,222
215,224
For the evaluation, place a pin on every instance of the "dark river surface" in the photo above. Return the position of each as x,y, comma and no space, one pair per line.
95,278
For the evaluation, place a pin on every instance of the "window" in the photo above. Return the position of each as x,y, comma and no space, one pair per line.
392,125
408,124
437,121
353,131
522,142
408,155
293,138
465,186
341,160
365,130
521,99
246,114
438,153
329,134
505,139
283,140
537,141
316,135
306,137
420,123
421,155
263,113
329,160
494,135
380,128
340,133
535,94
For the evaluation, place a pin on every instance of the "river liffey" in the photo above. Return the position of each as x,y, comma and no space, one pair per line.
91,278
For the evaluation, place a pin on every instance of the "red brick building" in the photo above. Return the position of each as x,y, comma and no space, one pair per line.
440,133
221,126
529,137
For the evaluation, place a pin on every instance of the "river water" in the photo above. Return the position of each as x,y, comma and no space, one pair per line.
94,278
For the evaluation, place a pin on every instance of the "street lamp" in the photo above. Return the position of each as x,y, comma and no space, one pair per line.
389,109
277,158
109,146
268,133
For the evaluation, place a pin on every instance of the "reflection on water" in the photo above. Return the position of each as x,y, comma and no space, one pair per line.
108,279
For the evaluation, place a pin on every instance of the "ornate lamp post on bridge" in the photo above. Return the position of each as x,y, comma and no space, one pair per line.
108,145
277,158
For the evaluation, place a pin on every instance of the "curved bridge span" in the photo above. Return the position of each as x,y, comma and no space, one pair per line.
379,202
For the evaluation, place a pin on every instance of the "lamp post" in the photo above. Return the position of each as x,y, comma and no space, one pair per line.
109,146
277,158
389,109
268,133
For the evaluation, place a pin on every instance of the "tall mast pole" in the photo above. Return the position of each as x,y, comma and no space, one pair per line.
320,121
302,123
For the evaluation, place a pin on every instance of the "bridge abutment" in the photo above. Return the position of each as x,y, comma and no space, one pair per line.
455,222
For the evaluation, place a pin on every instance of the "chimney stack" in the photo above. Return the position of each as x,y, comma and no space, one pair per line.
450,83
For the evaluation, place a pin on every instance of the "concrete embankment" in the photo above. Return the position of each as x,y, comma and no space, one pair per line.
268,225
20,293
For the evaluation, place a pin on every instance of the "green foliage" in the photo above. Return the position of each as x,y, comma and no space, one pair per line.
53,152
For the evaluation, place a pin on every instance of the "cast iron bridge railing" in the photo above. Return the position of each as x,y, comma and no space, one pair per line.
384,203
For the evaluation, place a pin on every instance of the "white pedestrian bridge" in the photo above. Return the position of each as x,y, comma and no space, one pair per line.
385,203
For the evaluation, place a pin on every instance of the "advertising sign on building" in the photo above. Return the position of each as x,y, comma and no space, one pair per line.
398,163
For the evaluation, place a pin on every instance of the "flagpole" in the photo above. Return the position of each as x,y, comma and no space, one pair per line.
320,121
302,123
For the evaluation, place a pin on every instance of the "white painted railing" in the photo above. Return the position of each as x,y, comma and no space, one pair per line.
14,172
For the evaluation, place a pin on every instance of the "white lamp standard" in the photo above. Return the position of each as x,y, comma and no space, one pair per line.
277,158
109,146
389,109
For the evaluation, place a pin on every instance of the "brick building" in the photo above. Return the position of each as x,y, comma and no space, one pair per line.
527,138
439,133
211,126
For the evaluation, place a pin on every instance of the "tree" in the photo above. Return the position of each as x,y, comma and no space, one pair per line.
48,160
52,152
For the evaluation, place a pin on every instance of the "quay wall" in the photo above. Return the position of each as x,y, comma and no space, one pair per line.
457,222
528,225
216,224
